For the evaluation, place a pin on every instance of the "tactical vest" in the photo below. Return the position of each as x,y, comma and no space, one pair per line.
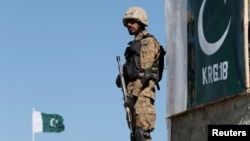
132,67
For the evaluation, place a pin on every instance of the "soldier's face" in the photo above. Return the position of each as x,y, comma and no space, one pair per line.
132,26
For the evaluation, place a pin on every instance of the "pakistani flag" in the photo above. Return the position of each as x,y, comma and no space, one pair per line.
43,122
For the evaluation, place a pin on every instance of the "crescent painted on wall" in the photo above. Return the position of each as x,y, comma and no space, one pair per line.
206,47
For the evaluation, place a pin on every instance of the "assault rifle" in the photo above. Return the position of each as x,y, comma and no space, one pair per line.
125,95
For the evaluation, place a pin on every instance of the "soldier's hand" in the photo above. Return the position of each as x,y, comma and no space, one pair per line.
118,81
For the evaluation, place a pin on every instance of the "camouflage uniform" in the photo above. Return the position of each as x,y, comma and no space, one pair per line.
142,101
140,73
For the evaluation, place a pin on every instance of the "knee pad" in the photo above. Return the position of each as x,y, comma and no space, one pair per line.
141,135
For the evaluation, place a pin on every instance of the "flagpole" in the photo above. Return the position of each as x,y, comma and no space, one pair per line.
33,134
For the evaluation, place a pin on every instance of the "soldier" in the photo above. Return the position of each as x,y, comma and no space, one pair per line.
140,73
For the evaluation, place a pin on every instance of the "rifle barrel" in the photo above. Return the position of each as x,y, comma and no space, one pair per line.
125,94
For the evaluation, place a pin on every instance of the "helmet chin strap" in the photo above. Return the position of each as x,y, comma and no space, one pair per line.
141,28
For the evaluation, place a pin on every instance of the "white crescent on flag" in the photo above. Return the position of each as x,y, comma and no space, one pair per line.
52,121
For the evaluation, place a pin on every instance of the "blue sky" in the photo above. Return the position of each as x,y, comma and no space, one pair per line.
58,56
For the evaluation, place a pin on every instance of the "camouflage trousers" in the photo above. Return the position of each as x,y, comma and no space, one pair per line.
143,112
141,105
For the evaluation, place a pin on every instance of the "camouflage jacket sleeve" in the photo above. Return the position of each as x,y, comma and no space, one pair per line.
150,52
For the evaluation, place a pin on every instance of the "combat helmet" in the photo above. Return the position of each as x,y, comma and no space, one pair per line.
137,14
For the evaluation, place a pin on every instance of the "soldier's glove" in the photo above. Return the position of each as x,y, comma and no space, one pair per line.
125,105
118,81
147,76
